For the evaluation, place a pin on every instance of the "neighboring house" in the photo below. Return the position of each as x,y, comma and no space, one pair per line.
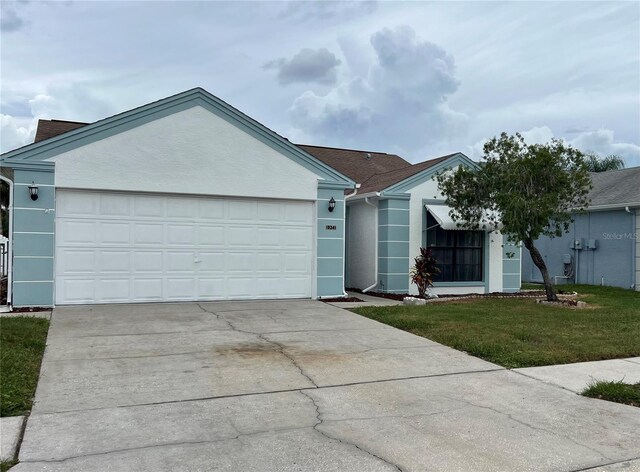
187,198
396,210
603,244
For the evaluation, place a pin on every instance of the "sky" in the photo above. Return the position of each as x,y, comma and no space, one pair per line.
419,79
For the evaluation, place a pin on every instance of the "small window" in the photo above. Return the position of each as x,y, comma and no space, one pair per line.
459,253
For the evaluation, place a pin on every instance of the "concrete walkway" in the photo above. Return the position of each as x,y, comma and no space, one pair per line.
296,386
577,377
10,432
367,300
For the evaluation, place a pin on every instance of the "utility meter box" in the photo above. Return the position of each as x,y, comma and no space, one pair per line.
592,244
576,244
566,258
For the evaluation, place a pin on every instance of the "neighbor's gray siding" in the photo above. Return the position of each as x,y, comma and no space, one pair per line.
612,263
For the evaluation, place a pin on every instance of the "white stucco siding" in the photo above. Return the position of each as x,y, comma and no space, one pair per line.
429,191
361,255
190,152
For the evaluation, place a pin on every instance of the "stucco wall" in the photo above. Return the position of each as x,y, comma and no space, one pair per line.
361,245
611,263
637,237
192,151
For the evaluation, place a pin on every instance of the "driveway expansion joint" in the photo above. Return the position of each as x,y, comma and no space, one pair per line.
320,420
607,464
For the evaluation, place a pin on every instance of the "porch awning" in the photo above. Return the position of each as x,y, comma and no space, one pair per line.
441,214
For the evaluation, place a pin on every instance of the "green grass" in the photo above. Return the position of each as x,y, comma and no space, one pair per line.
519,333
6,465
618,392
22,342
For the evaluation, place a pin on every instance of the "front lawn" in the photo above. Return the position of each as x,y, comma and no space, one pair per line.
516,332
22,342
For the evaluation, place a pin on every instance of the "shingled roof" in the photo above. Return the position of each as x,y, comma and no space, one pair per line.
616,187
379,182
355,164
49,128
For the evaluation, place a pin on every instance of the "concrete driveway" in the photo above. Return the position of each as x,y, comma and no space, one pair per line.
296,386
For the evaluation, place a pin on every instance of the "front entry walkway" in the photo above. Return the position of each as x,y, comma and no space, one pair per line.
295,386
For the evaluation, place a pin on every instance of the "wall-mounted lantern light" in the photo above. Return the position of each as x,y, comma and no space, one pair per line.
33,191
332,204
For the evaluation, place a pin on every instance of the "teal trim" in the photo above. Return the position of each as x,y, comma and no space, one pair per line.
392,217
335,215
393,265
394,283
329,247
22,198
427,174
33,245
393,233
138,116
41,176
31,221
334,185
33,294
511,266
394,203
330,267
323,232
396,249
32,268
330,286
511,282
28,165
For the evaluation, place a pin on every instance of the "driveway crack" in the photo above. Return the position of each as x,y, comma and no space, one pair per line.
279,347
320,421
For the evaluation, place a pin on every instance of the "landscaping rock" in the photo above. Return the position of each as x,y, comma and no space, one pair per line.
414,301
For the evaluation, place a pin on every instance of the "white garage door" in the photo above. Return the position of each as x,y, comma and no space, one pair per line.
122,247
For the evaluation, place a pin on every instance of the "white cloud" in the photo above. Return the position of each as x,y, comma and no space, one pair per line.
16,132
400,105
601,141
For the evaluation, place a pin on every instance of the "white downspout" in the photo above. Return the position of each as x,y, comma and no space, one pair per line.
375,251
344,236
10,244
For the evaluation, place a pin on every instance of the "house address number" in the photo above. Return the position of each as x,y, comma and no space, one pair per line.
331,227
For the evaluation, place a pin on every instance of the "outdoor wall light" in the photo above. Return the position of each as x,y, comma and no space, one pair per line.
332,204
33,191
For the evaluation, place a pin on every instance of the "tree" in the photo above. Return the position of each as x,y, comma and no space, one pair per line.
531,189
597,164
423,271
4,208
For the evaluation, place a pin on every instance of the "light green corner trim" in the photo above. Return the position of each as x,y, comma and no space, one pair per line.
427,174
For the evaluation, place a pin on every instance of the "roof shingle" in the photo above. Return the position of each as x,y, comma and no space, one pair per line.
616,187
49,128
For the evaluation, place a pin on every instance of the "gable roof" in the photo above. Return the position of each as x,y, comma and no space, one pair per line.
35,154
50,128
615,188
355,164
379,182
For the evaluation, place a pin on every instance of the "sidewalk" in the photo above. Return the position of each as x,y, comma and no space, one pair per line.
577,377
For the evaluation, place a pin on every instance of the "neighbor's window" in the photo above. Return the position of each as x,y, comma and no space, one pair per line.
459,253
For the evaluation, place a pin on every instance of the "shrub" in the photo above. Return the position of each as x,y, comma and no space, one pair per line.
424,270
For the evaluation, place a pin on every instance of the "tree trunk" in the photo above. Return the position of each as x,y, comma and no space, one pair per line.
539,262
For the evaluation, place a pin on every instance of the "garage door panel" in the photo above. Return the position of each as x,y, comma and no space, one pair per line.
75,261
110,261
148,233
141,248
112,232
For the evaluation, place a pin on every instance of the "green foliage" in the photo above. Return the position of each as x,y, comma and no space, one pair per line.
423,271
23,340
619,392
531,189
596,164
517,332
